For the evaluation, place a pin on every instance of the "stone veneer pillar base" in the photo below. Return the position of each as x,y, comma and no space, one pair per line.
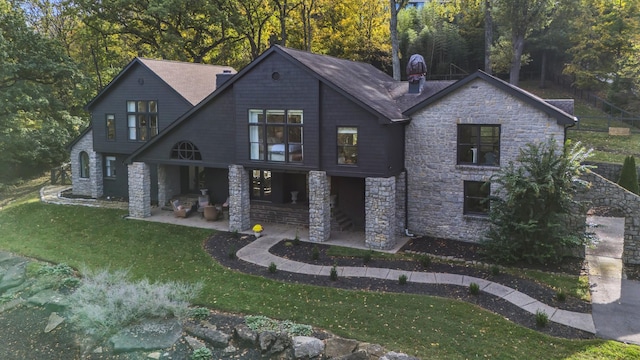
239,200
319,206
380,212
139,190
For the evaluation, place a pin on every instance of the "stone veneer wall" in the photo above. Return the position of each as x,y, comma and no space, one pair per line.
400,203
436,183
139,190
609,171
239,200
380,212
91,186
319,206
606,193
297,215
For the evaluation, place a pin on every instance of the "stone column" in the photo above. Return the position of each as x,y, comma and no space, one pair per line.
380,212
239,200
319,206
97,176
139,190
400,203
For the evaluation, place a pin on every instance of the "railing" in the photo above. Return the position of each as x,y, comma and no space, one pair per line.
61,175
603,123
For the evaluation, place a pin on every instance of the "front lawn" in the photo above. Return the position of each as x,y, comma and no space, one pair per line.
426,327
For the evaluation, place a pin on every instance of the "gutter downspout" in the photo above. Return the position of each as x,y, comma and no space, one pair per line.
568,127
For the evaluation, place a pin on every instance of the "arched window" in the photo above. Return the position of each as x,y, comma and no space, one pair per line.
185,150
84,165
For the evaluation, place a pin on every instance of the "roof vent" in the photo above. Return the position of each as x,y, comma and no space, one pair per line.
416,71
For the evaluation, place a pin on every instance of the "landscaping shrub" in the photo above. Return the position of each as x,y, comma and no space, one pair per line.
542,319
629,175
366,258
202,353
107,301
561,295
259,323
402,279
333,275
425,261
199,313
532,203
273,267
315,253
474,288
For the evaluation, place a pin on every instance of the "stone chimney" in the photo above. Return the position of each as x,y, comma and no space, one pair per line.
416,71
221,78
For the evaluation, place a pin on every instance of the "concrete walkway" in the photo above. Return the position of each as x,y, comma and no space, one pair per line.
615,300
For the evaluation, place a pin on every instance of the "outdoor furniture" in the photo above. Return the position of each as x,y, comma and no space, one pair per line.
211,213
181,210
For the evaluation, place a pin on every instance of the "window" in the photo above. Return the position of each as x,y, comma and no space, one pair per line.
110,166
111,127
261,185
276,135
185,150
84,165
476,197
347,145
142,119
479,145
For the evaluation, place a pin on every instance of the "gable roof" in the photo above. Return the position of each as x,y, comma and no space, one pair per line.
191,81
562,117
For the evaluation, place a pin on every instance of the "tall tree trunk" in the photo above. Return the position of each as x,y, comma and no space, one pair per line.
283,23
516,62
488,36
543,70
395,43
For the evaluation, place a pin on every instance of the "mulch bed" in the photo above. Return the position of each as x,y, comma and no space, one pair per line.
221,245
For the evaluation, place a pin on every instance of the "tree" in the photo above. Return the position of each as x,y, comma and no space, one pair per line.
629,175
532,203
394,7
520,18
39,111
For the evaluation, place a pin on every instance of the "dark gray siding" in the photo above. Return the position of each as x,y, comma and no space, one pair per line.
295,89
211,129
119,186
379,145
138,84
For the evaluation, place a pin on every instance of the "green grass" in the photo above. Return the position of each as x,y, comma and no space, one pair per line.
423,326
607,148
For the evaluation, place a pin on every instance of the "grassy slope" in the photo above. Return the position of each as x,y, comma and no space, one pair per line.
430,328
611,149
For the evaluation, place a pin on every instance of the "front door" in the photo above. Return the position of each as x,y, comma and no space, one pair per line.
261,185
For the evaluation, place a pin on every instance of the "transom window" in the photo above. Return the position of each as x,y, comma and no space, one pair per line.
479,145
186,150
110,166
111,127
84,165
276,135
142,119
347,145
476,197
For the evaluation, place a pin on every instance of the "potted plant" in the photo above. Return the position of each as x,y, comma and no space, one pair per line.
257,230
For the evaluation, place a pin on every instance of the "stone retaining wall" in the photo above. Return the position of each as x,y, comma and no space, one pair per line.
604,192
280,214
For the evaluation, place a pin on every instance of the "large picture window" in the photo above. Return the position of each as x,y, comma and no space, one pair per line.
476,197
479,145
276,135
111,127
347,145
110,166
142,119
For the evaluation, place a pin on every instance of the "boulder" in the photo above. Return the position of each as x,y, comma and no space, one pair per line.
214,337
54,321
273,343
358,355
50,300
13,276
194,343
148,335
392,355
245,335
374,351
337,346
307,347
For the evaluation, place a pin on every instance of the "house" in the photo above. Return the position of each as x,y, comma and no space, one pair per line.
141,101
300,138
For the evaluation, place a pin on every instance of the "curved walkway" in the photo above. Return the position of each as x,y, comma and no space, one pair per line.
258,253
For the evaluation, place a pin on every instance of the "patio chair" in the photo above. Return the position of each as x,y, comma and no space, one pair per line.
181,210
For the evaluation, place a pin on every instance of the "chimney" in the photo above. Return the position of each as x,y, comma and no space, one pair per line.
221,78
416,70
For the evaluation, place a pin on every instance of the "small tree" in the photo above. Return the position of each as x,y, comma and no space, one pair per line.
532,203
629,175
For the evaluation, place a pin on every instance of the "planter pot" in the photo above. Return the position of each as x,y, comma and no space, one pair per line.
257,233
